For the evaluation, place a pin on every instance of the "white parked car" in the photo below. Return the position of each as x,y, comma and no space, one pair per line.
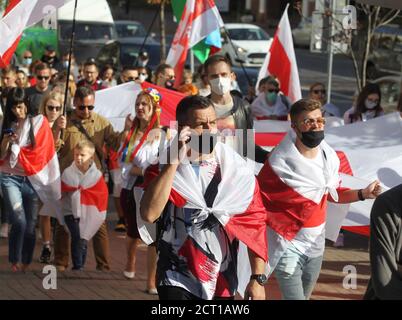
250,42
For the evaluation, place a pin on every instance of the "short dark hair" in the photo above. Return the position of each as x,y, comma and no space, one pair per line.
188,104
129,68
303,105
89,63
161,69
83,91
41,66
212,60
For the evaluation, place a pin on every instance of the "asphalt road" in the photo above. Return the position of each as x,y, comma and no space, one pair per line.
314,67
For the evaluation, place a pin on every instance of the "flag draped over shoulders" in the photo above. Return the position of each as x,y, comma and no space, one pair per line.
89,198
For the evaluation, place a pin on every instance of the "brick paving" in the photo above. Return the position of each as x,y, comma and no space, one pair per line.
95,285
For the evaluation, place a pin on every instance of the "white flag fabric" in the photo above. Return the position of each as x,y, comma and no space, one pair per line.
199,19
280,61
117,102
89,198
19,15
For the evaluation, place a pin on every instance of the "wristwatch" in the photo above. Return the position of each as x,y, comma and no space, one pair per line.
261,278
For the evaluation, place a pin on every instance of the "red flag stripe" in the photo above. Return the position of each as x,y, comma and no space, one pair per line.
288,211
250,226
169,102
269,139
96,195
6,57
34,160
11,6
279,63
362,230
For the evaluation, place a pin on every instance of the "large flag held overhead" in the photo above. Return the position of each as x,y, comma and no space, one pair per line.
206,47
367,151
199,19
127,93
281,62
19,15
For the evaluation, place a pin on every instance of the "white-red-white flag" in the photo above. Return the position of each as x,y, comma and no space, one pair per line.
89,198
19,15
39,163
198,20
237,206
280,60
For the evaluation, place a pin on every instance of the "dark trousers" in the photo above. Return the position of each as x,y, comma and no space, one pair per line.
78,245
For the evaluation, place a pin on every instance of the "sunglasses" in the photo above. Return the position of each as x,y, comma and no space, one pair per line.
319,91
53,108
82,108
309,122
27,57
273,90
43,77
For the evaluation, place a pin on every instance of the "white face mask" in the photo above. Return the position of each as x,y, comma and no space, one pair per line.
221,85
370,104
143,77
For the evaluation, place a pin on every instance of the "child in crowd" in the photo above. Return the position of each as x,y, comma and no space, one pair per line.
84,201
187,87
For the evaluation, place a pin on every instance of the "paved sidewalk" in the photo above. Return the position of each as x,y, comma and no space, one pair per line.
95,285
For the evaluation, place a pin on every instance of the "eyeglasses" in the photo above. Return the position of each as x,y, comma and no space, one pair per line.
309,122
82,108
319,91
53,108
43,77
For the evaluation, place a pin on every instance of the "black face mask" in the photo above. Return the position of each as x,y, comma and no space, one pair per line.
312,139
169,84
48,59
204,143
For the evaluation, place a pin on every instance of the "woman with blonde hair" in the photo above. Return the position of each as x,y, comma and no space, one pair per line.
137,156
52,108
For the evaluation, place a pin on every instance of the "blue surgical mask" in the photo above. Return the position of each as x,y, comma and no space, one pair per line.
271,97
27,61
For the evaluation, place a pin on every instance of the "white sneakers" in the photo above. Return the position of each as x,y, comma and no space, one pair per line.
152,291
129,275
4,230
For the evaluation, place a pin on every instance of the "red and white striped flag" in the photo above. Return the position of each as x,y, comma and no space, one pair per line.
89,198
199,19
40,163
19,15
281,62
237,206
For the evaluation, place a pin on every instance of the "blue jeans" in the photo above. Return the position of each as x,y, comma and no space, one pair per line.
78,245
297,274
22,205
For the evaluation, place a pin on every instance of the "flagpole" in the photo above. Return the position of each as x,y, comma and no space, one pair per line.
192,61
148,32
331,51
69,59
237,56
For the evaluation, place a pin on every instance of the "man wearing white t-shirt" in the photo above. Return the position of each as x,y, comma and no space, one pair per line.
297,180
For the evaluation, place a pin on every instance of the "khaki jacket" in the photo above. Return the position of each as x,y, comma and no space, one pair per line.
99,129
